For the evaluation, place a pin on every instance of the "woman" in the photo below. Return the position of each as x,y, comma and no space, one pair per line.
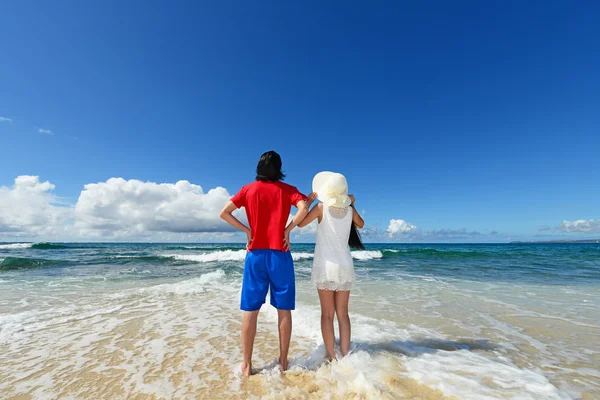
333,268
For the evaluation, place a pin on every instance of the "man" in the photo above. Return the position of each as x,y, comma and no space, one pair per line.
268,262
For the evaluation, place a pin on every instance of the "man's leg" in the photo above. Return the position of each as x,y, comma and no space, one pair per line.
285,334
248,335
254,291
283,298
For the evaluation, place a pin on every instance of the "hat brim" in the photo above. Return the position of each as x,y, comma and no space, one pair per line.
319,186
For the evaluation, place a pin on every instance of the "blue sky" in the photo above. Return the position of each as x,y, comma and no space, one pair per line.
482,116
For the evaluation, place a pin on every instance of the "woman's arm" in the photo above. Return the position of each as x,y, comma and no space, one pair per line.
316,212
356,218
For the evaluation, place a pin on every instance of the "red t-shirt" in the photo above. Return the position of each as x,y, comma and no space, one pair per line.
268,206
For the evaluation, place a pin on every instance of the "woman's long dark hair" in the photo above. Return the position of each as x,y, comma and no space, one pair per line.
354,240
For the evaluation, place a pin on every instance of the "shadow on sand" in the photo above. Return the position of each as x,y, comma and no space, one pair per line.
417,347
409,348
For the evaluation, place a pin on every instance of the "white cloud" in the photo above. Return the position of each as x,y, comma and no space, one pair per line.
544,229
117,209
45,131
371,233
307,231
5,119
122,207
401,227
581,225
30,208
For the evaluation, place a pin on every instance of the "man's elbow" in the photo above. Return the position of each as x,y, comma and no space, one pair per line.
303,207
223,214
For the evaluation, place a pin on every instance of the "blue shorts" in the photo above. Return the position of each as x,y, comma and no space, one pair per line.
266,269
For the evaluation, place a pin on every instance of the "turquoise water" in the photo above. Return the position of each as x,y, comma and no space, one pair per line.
552,264
473,321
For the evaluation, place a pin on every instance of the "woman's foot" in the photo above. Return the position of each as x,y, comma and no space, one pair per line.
246,369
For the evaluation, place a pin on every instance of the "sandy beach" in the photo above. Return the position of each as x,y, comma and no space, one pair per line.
117,329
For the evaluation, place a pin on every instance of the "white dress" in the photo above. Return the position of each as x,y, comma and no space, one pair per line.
333,268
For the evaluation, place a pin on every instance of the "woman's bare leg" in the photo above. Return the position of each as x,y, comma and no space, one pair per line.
327,313
341,309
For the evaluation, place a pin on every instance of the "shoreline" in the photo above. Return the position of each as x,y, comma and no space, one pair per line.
154,321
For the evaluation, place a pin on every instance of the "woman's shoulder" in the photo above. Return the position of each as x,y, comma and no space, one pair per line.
319,207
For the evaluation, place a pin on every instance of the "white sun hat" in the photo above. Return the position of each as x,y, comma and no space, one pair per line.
332,189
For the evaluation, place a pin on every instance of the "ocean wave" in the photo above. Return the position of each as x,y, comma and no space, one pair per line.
141,257
35,246
48,246
240,255
434,253
190,286
15,246
207,257
12,263
365,255
224,255
302,256
204,248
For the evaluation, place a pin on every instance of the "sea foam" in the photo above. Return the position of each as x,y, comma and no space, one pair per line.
386,358
365,255
240,255
223,255
15,246
192,286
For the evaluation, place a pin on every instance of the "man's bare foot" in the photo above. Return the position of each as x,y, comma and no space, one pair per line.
284,365
246,369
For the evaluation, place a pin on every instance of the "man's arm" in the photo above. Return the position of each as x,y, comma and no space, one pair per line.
299,217
227,216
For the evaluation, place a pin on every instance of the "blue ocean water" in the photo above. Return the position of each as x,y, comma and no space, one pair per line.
444,317
552,264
